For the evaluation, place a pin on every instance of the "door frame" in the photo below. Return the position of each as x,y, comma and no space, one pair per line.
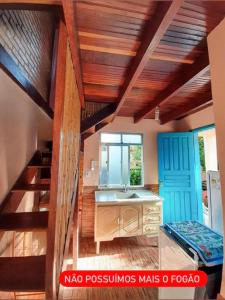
198,165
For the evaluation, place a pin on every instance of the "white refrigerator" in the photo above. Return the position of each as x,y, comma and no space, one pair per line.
214,201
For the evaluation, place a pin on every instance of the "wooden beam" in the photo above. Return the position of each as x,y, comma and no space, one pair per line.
100,126
97,127
197,109
31,2
97,117
185,76
29,6
182,110
120,51
8,65
30,187
51,97
165,12
71,27
50,283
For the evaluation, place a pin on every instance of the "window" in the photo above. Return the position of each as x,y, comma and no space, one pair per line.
121,159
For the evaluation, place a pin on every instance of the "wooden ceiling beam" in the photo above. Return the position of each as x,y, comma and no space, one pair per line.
100,126
32,2
98,117
185,76
184,109
196,109
72,32
165,12
87,134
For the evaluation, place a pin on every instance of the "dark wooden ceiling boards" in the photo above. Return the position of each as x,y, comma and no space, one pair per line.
71,27
189,75
117,67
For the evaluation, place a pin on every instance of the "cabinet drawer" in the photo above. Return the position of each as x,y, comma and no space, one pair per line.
154,208
151,229
152,218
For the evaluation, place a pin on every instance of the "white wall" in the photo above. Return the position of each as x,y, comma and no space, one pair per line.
211,162
216,46
149,129
22,124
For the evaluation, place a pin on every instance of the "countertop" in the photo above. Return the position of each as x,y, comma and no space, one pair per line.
121,197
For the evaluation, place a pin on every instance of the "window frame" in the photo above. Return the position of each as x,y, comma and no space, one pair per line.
113,186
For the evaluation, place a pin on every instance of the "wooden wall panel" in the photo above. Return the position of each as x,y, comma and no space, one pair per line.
87,213
65,171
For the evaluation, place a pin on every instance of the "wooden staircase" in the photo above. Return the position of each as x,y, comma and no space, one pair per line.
25,221
27,273
37,187
22,274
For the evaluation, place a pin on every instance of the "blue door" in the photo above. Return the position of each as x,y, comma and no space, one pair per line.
179,176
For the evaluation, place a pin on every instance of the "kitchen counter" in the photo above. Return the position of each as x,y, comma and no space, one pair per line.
124,214
106,197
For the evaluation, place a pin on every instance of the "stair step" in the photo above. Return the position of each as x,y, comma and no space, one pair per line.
31,187
45,180
44,201
39,166
26,221
22,274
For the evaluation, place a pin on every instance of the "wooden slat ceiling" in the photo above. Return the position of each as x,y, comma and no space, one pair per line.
111,34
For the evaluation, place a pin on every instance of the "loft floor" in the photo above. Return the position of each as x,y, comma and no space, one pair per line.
135,253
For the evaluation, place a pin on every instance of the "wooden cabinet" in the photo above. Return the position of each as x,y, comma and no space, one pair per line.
126,220
130,220
108,222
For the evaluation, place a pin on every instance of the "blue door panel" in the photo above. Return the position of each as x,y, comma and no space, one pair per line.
178,177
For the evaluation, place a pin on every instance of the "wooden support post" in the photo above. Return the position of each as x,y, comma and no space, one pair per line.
51,280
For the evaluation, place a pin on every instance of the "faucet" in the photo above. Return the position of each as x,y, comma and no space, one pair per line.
125,188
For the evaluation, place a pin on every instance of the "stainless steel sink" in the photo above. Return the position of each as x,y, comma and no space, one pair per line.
133,196
126,195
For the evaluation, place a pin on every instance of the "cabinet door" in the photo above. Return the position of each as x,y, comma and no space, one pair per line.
131,220
107,222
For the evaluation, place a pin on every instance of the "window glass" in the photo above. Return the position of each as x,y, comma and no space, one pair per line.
125,165
110,138
132,138
121,160
104,165
114,165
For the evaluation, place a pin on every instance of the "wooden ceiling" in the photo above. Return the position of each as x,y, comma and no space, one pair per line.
144,54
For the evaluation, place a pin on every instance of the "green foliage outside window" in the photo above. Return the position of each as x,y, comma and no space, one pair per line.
135,165
201,152
135,177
